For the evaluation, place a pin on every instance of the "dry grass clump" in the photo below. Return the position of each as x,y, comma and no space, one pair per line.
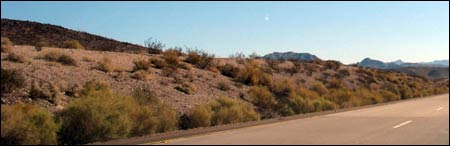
6,45
11,80
223,86
17,58
105,65
141,75
228,70
141,65
47,91
58,56
199,58
74,44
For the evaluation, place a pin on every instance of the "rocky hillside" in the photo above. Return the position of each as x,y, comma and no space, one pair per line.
187,86
34,33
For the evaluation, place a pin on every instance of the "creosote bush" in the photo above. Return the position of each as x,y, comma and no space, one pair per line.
222,111
27,124
101,114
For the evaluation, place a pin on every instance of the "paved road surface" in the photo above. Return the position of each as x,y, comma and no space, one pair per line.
421,121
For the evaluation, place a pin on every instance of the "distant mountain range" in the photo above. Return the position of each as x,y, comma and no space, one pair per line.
290,55
368,62
432,70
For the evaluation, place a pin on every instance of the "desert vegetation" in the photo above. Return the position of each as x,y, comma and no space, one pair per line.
189,92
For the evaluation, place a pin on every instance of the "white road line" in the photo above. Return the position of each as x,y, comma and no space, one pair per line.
439,108
404,123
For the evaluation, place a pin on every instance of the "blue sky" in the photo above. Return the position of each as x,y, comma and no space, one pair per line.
344,31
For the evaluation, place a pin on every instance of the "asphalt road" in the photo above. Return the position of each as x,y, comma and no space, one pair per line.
421,121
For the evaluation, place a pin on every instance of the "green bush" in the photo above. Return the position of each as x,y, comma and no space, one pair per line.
75,44
11,80
201,116
251,74
302,105
6,45
26,124
98,115
223,111
261,97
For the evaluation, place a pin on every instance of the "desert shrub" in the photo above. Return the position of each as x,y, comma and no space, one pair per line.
405,92
228,70
319,88
335,84
11,80
306,93
16,58
87,59
301,105
274,64
285,88
222,111
261,97
199,58
366,97
201,116
249,75
167,118
185,66
141,75
105,65
214,70
145,121
57,56
158,63
171,58
6,44
331,64
186,88
223,86
155,116
342,73
100,114
153,46
389,96
168,72
26,124
339,96
75,44
141,65
47,91
67,60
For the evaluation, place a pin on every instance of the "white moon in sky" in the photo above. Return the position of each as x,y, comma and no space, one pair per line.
267,18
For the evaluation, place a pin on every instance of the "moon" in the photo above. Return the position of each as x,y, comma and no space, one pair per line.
267,18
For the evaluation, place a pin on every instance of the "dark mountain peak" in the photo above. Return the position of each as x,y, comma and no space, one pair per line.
290,55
